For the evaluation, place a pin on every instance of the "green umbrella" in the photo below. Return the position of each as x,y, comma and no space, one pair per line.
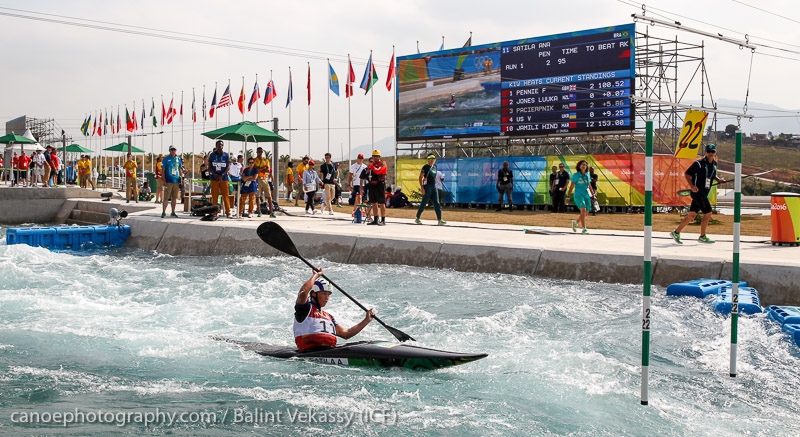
13,138
123,147
76,148
246,131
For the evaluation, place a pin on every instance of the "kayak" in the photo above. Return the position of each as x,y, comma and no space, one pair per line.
366,354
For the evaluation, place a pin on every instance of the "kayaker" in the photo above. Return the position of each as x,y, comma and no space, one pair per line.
314,327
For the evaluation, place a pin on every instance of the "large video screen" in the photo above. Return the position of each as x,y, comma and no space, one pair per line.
566,84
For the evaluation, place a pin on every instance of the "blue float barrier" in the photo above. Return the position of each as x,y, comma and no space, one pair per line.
793,329
748,301
783,314
69,237
699,287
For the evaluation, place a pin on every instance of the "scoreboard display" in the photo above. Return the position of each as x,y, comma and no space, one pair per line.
566,84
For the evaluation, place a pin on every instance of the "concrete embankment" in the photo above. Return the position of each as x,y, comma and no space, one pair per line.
602,256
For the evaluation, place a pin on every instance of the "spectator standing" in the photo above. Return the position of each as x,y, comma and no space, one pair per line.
249,188
375,177
264,168
47,156
327,172
173,170
235,174
38,167
289,181
131,185
593,176
55,165
219,165
159,176
553,180
15,170
582,186
301,170
84,172
24,165
505,185
311,182
354,180
93,180
560,189
427,183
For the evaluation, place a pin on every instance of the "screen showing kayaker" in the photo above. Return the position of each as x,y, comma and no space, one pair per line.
314,327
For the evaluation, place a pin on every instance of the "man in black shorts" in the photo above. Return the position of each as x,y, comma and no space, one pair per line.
375,179
700,175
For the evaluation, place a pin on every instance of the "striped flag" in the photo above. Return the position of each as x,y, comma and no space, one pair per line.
181,111
240,103
370,76
163,112
213,108
289,95
225,100
254,97
143,111
194,109
269,92
203,110
153,112
128,121
170,112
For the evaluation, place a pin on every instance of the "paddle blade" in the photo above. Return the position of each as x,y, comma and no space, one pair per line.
274,235
398,334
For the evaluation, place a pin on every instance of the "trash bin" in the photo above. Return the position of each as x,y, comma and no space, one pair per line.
785,218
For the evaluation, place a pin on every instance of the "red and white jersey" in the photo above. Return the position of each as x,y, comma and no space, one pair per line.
317,329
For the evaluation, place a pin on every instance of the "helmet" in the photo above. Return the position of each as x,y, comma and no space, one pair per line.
397,188
376,152
452,95
310,162
320,285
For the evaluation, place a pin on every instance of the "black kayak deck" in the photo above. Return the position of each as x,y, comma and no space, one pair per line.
366,353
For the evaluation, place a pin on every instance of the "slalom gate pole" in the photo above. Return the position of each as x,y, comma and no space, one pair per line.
648,266
737,215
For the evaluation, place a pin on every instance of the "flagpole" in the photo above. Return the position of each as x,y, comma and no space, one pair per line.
290,113
229,106
259,98
194,120
152,135
349,87
309,108
394,109
161,147
204,120
172,124
216,119
329,105
243,100
181,114
372,104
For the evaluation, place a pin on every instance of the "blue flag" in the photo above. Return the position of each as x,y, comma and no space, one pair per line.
333,80
289,96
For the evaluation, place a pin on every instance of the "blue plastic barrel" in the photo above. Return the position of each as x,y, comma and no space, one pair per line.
699,287
793,329
783,314
748,302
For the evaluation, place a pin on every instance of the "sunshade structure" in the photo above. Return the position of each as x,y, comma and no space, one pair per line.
13,138
123,147
77,148
246,131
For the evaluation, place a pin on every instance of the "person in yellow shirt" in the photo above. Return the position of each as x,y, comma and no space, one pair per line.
84,172
131,185
158,176
301,168
289,181
264,168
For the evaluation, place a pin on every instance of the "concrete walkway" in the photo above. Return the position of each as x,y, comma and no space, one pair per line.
608,256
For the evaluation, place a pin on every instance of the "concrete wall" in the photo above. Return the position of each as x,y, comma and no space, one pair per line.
37,205
776,283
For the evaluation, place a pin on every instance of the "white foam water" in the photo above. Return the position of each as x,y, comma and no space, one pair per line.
130,331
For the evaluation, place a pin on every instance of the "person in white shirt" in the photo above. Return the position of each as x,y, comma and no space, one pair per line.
354,180
38,167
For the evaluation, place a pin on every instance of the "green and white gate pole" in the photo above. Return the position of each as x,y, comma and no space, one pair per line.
737,210
648,266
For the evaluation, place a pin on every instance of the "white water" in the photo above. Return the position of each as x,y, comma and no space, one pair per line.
128,331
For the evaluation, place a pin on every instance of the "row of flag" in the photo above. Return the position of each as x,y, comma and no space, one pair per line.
105,124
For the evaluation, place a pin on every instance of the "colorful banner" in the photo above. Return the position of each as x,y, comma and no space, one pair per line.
620,178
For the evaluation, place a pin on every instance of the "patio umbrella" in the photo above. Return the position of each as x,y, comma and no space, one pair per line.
13,138
123,147
246,131
77,148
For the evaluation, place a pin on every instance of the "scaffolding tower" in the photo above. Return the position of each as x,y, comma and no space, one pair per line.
658,62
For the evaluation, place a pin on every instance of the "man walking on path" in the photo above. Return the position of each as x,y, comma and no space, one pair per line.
354,180
328,173
220,163
301,169
699,175
560,189
427,183
172,171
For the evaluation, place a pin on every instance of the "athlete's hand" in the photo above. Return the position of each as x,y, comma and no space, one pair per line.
370,315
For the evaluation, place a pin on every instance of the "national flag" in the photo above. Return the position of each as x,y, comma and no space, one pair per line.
194,109
105,124
469,41
213,108
225,100
370,76
333,80
255,97
308,84
153,112
113,128
289,95
270,92
390,74
171,112
573,87
100,124
181,111
573,115
163,112
351,77
128,121
573,106
119,122
143,112
240,103
441,47
135,122
85,125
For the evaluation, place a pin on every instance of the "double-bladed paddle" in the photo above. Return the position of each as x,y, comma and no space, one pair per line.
689,192
274,235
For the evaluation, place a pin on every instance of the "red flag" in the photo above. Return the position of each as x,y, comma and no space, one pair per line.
163,112
128,121
213,107
390,74
119,124
181,113
100,125
309,84
135,122
351,77
170,112
240,103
